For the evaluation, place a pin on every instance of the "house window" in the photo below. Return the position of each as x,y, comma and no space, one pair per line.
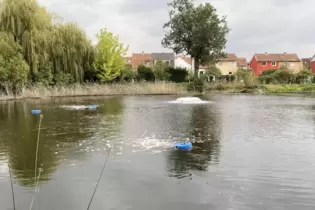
230,72
264,63
201,72
167,63
273,63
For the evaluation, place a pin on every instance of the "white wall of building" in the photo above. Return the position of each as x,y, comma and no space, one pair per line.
181,63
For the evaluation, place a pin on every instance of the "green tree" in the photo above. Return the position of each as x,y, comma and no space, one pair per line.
70,51
160,71
304,76
241,73
48,47
29,24
109,56
197,31
128,74
213,71
13,68
284,76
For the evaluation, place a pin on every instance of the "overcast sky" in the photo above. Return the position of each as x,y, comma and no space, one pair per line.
257,26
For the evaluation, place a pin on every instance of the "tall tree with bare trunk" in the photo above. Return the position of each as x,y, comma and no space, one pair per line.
197,31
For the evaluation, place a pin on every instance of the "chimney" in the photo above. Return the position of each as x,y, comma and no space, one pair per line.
266,53
284,53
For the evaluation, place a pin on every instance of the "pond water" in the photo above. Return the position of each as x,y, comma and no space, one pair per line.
249,152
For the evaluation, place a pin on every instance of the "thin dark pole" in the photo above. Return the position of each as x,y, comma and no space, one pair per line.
12,190
99,179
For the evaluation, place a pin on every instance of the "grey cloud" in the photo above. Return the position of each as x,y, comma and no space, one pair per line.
74,11
275,26
256,25
143,6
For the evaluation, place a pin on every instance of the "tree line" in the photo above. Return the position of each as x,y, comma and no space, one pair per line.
39,48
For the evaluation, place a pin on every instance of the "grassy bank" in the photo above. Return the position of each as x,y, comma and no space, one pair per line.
237,87
231,87
163,88
292,88
158,88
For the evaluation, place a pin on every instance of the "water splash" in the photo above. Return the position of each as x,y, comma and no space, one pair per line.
79,107
189,100
151,144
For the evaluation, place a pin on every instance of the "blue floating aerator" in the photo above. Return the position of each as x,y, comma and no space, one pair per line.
184,146
36,111
92,106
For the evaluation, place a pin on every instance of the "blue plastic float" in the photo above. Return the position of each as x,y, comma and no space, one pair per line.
36,111
92,106
184,146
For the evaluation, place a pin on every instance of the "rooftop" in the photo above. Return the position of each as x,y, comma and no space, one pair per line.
284,57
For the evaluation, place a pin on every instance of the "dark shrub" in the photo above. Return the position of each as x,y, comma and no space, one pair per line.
145,73
177,74
90,75
127,74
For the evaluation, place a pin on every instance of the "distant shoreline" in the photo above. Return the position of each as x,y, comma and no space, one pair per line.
239,88
85,90
158,88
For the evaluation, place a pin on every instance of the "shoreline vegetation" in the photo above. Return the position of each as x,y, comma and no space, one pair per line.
155,88
238,88
81,90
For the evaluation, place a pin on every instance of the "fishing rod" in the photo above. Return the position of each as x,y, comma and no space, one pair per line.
36,179
99,179
12,190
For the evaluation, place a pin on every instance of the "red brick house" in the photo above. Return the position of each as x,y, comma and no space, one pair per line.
263,62
313,64
138,59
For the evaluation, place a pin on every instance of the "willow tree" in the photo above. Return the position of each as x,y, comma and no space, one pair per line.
13,67
197,31
48,48
29,23
71,51
109,54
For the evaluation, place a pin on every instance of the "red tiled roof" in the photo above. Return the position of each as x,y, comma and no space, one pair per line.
306,61
241,62
229,57
284,57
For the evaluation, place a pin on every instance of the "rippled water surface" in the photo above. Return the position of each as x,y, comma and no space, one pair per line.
249,152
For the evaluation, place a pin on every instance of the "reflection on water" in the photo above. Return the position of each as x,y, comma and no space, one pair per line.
62,133
204,133
249,152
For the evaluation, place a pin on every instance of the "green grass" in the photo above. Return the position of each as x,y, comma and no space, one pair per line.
289,88
238,87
